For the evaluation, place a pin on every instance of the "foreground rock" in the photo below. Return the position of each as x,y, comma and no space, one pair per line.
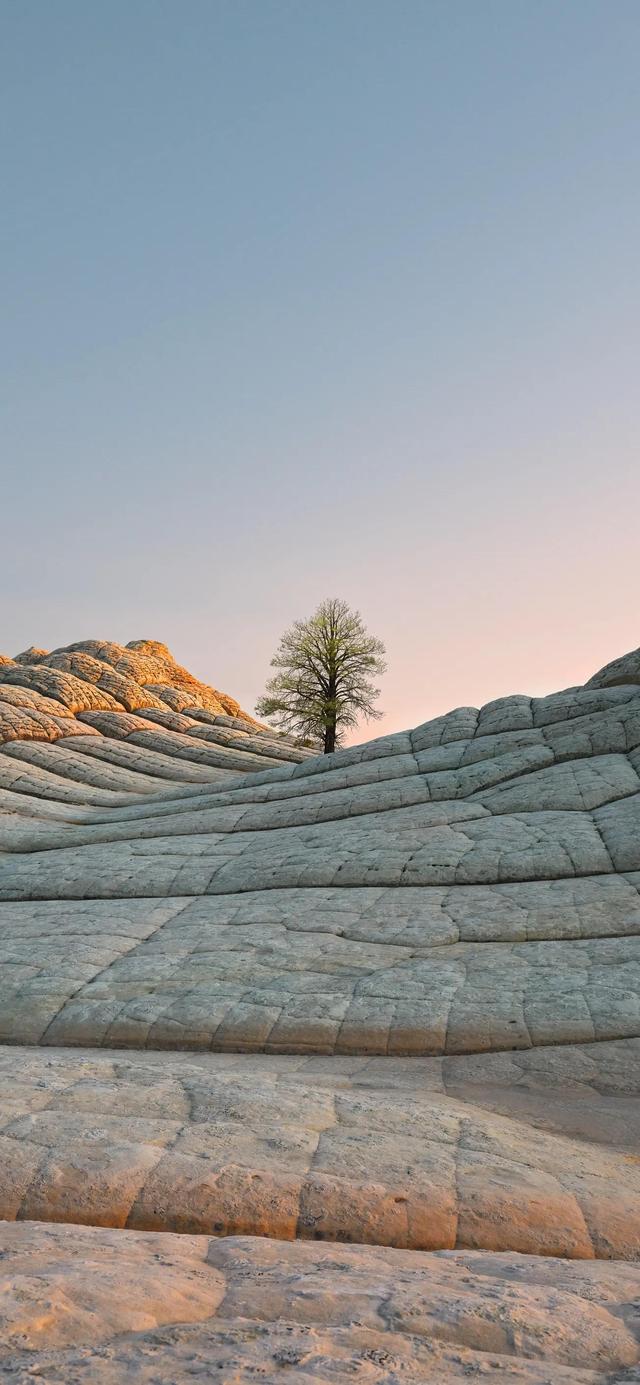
364,902
534,1153
388,997
111,1307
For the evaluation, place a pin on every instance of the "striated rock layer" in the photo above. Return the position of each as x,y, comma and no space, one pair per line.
125,1306
397,994
529,1152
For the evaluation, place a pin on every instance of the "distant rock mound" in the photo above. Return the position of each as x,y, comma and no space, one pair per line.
139,696
619,673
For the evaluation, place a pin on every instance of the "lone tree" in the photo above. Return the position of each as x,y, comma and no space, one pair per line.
326,667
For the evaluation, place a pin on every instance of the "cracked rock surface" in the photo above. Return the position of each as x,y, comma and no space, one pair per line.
532,1151
124,1306
355,1037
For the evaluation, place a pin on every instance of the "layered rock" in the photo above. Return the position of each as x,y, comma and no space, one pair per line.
87,688
527,1153
124,1306
397,994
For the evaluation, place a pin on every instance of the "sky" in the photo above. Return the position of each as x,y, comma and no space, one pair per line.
305,298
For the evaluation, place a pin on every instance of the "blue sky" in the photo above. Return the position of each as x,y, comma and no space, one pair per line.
303,299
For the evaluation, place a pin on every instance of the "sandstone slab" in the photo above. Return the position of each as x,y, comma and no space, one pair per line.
423,1154
111,1307
311,1063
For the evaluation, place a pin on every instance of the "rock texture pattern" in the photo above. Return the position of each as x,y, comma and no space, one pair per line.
127,1306
527,1152
389,998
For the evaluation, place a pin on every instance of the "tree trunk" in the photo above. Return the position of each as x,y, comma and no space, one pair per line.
331,712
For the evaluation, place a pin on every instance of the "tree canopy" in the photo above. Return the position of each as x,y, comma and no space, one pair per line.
326,667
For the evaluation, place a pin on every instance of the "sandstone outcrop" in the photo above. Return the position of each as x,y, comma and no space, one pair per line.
389,997
125,1306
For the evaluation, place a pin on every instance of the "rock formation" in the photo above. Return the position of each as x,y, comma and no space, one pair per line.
262,1005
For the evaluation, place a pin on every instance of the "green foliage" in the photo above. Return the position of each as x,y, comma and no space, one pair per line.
324,680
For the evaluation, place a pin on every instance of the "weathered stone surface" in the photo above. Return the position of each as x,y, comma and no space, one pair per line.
299,971
95,677
362,902
390,997
92,1304
619,672
535,1156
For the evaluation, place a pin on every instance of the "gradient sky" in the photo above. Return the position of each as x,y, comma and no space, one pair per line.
315,297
